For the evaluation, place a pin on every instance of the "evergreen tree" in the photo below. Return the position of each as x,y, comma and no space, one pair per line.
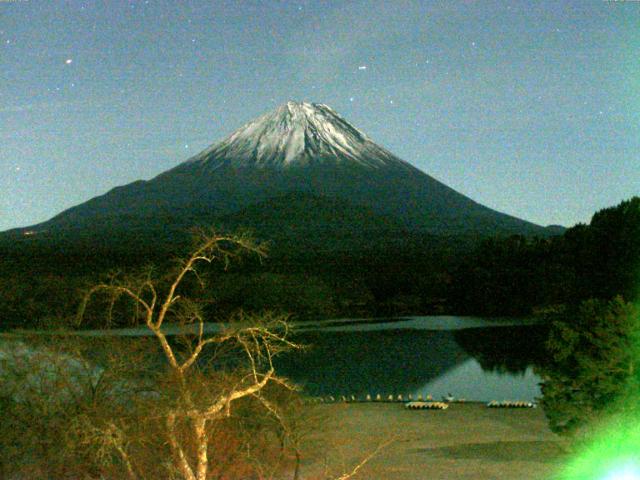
593,362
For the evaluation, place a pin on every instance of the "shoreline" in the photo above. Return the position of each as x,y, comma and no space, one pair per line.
431,322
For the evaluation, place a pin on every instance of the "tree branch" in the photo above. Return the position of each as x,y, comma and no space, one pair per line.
183,463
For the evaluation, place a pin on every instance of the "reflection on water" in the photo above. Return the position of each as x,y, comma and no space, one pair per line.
510,349
470,358
471,382
479,363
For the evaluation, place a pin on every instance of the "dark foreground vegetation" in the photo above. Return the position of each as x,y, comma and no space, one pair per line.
362,271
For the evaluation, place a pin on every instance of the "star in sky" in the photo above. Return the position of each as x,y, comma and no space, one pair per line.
483,77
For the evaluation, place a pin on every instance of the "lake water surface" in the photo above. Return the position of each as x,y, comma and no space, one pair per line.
467,357
471,358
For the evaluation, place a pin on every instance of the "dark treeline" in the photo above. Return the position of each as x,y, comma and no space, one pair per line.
314,272
518,275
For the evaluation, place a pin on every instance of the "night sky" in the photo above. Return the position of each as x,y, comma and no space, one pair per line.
531,108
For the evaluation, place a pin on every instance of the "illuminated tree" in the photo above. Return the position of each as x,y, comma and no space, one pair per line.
189,400
194,401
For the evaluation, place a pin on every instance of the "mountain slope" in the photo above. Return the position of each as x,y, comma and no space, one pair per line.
299,147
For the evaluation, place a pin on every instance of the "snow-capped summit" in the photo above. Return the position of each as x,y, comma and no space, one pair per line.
296,133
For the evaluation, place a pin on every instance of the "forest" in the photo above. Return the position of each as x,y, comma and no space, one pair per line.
375,273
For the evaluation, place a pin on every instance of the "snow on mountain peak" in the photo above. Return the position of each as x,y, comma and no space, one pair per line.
296,133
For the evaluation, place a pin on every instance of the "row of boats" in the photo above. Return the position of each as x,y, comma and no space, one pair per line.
420,402
445,405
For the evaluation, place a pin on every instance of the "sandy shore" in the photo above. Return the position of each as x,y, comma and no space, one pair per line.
466,441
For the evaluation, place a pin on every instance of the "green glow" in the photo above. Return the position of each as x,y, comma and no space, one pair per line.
613,454
628,471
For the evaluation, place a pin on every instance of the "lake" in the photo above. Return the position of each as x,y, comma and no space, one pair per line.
470,358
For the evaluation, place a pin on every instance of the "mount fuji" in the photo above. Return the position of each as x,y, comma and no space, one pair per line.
302,158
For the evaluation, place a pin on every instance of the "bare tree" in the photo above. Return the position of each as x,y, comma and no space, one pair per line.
201,405
189,415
